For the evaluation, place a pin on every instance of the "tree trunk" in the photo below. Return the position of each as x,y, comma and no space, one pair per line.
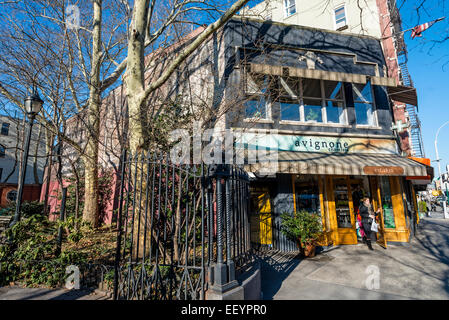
91,208
135,73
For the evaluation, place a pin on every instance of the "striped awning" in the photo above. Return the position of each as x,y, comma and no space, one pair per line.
342,164
320,74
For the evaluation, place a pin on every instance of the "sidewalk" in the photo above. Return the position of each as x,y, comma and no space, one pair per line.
18,293
419,270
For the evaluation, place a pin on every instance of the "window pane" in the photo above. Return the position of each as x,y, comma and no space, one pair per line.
256,108
332,90
362,92
256,83
5,128
334,111
364,113
290,7
307,194
340,11
387,203
312,110
290,111
288,88
340,17
311,88
342,203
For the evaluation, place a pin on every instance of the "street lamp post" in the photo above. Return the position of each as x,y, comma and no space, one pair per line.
446,216
33,105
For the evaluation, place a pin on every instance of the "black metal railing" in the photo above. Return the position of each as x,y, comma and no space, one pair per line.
181,228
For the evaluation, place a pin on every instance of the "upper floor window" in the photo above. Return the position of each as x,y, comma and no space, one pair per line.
340,17
363,104
5,128
333,93
257,103
311,100
290,7
2,151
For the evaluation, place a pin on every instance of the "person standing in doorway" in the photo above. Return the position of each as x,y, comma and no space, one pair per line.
368,216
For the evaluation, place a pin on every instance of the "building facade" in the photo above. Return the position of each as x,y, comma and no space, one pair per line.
377,18
318,100
11,144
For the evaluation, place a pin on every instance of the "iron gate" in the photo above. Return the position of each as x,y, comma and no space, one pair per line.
176,224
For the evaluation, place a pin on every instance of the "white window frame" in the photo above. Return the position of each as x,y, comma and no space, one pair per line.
336,26
253,96
375,123
303,114
300,99
342,100
287,8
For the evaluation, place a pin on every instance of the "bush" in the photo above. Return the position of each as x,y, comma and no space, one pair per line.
27,209
303,226
30,255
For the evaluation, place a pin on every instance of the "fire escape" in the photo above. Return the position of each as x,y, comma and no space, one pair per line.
416,142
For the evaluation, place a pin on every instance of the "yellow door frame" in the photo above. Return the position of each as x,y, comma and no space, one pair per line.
340,235
401,233
264,203
377,204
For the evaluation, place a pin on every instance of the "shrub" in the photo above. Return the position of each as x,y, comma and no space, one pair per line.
27,209
30,255
303,226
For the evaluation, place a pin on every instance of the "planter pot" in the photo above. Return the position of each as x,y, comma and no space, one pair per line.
306,250
309,250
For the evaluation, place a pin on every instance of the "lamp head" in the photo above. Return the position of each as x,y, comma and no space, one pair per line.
33,103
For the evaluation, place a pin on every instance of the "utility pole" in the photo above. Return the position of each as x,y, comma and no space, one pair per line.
446,215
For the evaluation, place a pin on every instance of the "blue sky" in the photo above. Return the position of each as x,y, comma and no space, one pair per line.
428,64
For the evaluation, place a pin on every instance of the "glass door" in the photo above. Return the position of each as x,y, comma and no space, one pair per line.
342,203
378,203
387,203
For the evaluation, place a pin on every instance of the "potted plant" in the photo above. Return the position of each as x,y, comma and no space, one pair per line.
303,227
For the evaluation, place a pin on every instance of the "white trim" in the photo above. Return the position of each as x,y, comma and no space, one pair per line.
257,120
366,126
318,124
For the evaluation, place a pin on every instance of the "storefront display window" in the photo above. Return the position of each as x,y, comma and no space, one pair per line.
387,203
307,194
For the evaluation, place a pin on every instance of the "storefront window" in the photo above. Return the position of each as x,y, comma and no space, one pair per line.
387,204
342,203
307,194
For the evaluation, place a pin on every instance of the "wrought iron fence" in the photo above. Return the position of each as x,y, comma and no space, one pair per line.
181,228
